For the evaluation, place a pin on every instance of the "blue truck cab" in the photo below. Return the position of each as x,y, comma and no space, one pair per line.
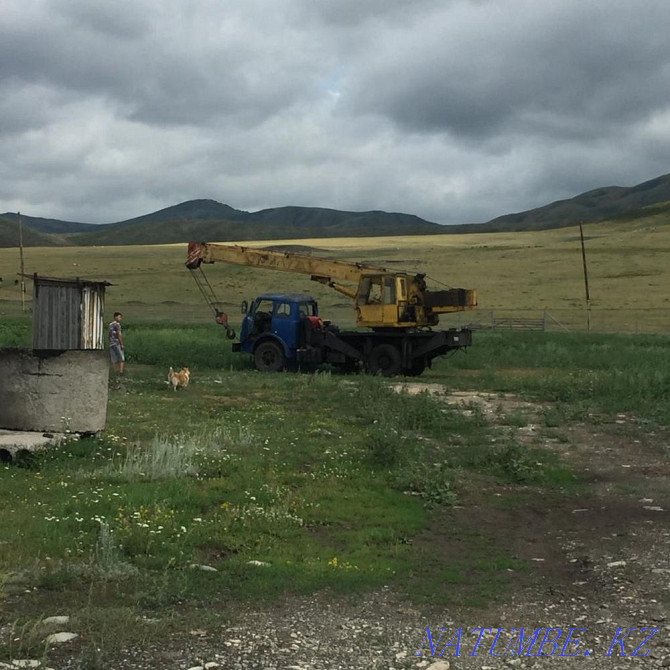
273,328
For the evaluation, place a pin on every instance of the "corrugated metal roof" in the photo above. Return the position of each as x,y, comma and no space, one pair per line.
78,281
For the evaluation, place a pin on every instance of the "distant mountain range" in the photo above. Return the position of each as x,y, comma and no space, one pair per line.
213,221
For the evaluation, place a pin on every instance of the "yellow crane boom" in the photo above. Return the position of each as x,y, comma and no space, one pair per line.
383,299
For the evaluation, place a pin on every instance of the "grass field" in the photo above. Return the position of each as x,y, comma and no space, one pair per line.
512,272
246,487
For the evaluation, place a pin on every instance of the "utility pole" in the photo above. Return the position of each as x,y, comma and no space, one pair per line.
23,279
586,280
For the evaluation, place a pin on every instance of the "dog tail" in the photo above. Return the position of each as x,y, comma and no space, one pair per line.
171,372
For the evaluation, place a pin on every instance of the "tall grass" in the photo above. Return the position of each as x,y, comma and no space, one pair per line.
164,458
199,346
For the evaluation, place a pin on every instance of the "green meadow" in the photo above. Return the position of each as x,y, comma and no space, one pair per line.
246,487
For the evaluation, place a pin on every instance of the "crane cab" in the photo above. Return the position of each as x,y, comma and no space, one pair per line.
400,300
381,301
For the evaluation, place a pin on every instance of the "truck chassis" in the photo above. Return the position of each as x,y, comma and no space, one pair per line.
388,353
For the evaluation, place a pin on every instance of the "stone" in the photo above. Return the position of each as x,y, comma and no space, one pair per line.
60,638
56,620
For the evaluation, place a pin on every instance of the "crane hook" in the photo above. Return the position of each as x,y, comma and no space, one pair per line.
222,320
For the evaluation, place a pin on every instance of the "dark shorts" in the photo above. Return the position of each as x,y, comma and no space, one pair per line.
116,353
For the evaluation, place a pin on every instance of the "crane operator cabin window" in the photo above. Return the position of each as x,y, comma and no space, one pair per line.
371,291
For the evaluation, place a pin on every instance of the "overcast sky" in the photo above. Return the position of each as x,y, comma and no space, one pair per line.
453,110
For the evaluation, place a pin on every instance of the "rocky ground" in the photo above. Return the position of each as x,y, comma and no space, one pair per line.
599,562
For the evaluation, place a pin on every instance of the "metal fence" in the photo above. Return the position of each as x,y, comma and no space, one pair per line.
571,320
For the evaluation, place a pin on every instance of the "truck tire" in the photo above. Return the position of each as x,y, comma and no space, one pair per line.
269,357
385,359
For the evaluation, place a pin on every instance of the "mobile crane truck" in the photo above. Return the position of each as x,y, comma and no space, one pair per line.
282,330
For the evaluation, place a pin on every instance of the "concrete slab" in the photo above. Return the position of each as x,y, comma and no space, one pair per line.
14,441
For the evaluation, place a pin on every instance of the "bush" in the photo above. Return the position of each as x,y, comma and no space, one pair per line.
385,447
434,482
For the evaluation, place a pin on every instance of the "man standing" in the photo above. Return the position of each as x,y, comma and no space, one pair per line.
116,352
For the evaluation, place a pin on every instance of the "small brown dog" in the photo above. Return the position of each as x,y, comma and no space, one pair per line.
181,378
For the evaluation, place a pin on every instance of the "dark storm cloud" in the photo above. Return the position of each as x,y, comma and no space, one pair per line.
165,66
121,19
565,69
354,13
455,110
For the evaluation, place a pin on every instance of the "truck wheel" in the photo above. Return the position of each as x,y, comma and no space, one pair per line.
385,359
269,357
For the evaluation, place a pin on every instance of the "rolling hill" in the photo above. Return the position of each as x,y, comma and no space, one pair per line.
213,221
596,205
210,220
51,226
9,235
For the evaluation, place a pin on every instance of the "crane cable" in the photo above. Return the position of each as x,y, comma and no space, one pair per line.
208,294
439,282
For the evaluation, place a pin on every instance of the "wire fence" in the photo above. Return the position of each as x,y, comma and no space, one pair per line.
598,320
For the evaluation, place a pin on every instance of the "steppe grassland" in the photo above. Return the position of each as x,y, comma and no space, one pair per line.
241,467
532,271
